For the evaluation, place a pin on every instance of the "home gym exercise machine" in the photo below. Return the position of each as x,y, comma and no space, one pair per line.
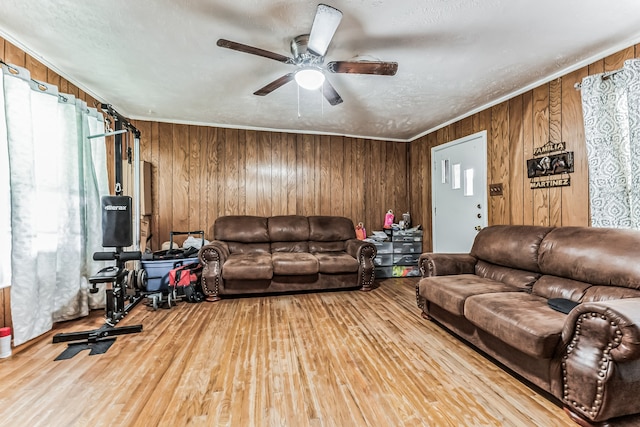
119,231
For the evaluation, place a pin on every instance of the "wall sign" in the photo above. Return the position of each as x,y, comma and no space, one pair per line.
549,147
543,171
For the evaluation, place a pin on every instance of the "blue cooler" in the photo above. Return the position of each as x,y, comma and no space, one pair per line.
158,272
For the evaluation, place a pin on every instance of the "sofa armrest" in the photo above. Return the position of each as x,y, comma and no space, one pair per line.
437,264
364,252
354,247
600,359
212,256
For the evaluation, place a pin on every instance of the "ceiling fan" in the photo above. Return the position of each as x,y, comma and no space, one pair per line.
308,52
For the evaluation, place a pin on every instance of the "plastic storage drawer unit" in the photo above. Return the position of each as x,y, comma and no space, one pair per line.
407,248
383,260
384,247
407,236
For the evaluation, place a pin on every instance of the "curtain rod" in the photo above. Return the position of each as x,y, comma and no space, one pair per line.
106,107
42,86
605,76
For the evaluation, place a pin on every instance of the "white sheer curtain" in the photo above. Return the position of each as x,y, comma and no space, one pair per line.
611,109
96,184
54,208
5,198
25,304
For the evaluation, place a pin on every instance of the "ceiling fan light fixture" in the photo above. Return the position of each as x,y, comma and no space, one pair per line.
309,78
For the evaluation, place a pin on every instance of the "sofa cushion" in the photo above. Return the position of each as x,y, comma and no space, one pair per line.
294,264
524,321
289,247
248,266
451,292
559,287
288,228
241,228
331,228
511,276
339,246
239,247
608,293
336,262
514,246
600,256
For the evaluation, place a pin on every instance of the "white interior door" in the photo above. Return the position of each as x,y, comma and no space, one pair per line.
459,191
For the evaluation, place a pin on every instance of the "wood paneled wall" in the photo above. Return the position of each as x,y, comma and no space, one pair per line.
201,173
552,111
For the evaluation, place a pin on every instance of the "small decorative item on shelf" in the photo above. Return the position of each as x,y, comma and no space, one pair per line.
388,219
361,233
406,218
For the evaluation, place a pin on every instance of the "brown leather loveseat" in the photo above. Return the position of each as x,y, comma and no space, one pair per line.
254,255
498,298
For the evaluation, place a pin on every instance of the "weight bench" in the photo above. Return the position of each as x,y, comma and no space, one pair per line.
116,225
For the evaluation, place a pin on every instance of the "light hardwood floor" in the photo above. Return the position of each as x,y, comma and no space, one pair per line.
324,359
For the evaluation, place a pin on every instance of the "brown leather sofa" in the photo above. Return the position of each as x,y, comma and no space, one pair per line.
497,298
255,255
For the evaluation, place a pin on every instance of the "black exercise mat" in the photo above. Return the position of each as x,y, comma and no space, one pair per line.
96,347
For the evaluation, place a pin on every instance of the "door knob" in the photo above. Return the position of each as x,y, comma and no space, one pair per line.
477,228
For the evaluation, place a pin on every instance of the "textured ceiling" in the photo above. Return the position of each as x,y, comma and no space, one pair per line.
158,60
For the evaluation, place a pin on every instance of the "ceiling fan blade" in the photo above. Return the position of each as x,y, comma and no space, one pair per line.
363,67
253,50
323,28
275,85
330,93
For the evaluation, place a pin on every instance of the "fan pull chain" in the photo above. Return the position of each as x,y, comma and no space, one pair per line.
322,103
298,89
